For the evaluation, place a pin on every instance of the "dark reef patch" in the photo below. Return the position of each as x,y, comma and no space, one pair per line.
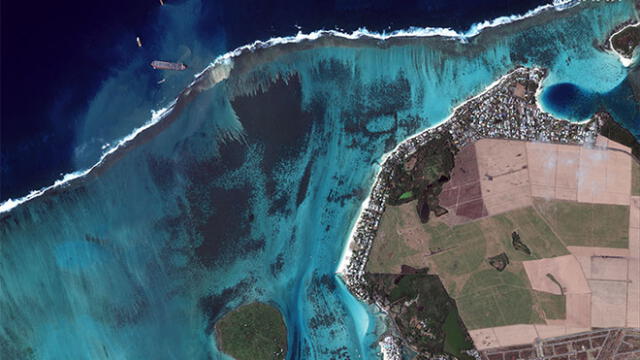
162,172
358,193
380,99
126,316
13,347
276,266
325,314
304,183
215,219
233,153
275,119
215,305
219,218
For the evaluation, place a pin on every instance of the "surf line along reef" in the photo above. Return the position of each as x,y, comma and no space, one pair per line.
418,168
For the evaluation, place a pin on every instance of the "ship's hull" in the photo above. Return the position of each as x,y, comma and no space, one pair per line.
165,65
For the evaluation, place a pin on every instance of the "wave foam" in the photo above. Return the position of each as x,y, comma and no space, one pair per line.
156,116
211,74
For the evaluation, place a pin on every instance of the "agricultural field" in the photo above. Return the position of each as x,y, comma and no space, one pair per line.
580,224
491,298
553,306
400,241
545,252
462,250
635,178
459,255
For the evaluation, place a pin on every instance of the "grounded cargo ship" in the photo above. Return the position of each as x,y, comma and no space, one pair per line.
165,65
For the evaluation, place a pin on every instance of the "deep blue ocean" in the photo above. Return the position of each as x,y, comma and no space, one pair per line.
246,187
58,59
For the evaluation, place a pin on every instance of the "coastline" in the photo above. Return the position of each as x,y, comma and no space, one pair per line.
355,256
626,62
223,66
347,251
256,308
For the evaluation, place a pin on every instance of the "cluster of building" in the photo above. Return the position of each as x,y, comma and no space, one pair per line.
391,348
602,344
506,110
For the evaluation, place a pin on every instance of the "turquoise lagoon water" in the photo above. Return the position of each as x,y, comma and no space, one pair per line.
251,192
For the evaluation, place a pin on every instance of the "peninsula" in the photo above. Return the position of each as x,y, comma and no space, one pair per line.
504,231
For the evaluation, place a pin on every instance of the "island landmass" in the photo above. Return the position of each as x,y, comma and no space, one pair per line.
626,40
253,332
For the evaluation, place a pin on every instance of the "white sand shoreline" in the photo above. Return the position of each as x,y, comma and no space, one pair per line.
626,62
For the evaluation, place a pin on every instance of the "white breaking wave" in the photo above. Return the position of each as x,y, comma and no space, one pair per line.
156,116
226,61
474,30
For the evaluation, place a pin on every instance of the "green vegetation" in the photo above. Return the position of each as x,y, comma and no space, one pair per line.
456,336
555,281
553,306
487,297
253,332
423,174
463,246
462,256
614,131
635,178
499,262
626,40
406,195
423,311
581,224
532,231
517,243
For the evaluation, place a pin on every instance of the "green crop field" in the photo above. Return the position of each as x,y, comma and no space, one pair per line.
533,231
635,178
485,296
390,249
466,246
582,224
491,298
463,247
553,306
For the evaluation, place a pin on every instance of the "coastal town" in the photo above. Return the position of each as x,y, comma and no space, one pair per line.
618,343
505,110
